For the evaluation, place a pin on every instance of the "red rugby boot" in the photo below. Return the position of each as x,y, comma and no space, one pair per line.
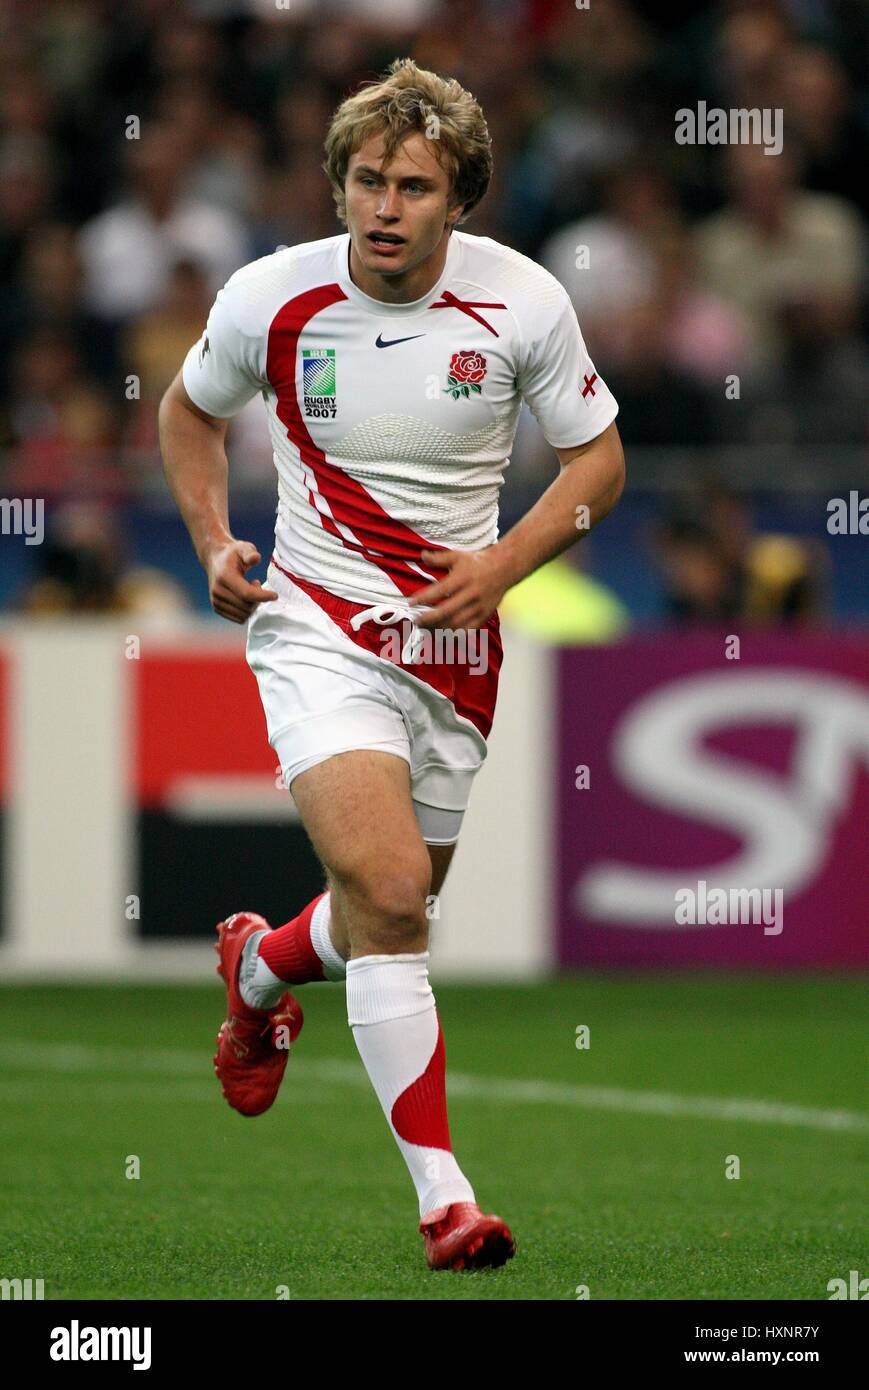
249,1065
461,1236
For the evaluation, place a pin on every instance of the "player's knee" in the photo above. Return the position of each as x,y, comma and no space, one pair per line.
397,895
393,899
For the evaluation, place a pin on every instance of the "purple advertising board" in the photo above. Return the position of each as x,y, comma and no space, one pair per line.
713,801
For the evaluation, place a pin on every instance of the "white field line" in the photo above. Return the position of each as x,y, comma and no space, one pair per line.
72,1059
97,1090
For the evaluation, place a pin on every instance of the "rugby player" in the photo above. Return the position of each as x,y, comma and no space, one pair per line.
393,360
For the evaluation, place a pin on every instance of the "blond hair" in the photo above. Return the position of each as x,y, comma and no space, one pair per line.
407,99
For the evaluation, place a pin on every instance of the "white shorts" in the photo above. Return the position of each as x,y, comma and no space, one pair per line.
326,688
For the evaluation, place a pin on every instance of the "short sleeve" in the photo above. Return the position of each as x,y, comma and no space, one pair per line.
221,372
558,380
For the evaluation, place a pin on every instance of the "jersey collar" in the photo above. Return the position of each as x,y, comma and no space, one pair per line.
379,306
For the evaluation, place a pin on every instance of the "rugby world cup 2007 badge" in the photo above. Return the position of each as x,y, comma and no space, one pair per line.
318,383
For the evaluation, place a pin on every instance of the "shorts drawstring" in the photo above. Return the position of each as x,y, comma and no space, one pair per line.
388,613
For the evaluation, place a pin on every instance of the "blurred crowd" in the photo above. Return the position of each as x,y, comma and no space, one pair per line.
148,150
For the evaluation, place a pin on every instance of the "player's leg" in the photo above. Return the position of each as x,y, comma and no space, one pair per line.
440,857
358,812
315,944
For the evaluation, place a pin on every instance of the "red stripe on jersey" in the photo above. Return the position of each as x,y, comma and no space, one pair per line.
472,695
380,538
419,1115
448,300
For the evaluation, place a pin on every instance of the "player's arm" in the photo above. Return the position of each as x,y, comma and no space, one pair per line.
194,461
589,485
222,374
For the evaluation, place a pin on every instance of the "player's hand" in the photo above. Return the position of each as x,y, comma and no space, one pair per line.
469,593
232,596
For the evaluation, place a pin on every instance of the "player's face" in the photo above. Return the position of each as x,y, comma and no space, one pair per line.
398,215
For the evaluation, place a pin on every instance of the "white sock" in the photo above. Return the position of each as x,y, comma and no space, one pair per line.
261,988
391,1010
334,965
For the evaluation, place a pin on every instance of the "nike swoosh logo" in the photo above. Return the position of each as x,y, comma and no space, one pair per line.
392,341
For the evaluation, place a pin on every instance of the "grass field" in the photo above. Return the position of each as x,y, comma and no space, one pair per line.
608,1163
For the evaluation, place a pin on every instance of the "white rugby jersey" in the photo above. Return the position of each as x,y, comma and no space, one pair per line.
392,424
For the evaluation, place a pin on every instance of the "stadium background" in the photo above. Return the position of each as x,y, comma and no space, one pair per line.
137,790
